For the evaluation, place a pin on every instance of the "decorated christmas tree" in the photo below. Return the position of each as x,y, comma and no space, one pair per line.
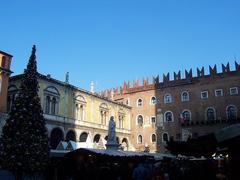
24,139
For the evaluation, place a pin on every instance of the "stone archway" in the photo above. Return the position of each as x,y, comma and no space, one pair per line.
71,136
55,137
96,138
125,144
83,137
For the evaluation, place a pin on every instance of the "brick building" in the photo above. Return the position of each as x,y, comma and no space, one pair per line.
5,64
182,107
147,114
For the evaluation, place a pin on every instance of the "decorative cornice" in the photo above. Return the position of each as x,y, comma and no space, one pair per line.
61,83
6,54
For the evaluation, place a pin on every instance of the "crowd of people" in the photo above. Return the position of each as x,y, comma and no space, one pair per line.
165,169
172,169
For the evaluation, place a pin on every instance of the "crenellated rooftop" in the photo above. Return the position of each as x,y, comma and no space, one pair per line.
156,83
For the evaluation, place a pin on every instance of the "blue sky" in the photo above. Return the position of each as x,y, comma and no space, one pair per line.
109,41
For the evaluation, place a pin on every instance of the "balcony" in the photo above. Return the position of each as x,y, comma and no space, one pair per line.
209,123
65,120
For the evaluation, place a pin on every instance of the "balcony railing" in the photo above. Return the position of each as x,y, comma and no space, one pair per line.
208,123
88,124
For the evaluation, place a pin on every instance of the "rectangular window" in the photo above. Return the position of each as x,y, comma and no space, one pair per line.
204,94
218,92
233,91
153,119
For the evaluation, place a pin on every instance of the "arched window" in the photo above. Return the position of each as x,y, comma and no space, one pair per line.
47,106
165,137
83,137
210,114
96,138
125,144
81,112
139,103
120,119
167,98
80,104
168,117
51,97
77,111
186,115
71,136
140,120
231,112
185,96
153,100
54,105
3,64
153,138
139,140
103,113
103,117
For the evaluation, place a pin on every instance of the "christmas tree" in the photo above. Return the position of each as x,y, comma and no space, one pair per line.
24,139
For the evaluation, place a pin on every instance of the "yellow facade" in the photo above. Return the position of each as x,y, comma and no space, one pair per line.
69,108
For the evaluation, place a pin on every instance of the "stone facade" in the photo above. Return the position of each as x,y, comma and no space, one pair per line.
180,108
76,114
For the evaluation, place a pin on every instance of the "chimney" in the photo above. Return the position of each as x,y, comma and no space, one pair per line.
92,87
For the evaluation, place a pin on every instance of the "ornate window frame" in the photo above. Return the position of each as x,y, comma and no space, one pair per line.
151,138
163,137
227,113
103,111
54,97
137,123
79,107
153,102
139,142
214,113
165,119
139,102
183,99
168,98
190,114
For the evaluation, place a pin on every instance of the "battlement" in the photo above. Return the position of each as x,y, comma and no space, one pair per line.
156,83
